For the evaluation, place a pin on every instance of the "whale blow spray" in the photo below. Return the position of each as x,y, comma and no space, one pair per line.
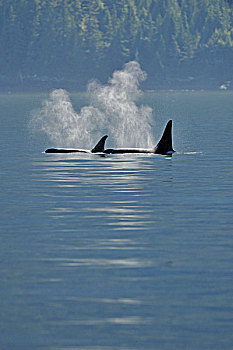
112,110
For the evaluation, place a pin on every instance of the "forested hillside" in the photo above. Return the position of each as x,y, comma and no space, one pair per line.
76,40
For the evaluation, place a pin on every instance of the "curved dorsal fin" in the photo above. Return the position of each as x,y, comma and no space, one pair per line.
99,147
164,146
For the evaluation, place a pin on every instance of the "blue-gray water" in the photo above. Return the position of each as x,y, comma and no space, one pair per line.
123,252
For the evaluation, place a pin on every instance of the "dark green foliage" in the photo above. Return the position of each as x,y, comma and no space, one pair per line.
81,39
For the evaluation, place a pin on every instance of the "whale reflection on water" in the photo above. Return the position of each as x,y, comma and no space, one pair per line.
118,190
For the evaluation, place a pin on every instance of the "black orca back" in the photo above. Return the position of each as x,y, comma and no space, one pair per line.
99,147
164,146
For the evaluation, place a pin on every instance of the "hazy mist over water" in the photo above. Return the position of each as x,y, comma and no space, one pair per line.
123,252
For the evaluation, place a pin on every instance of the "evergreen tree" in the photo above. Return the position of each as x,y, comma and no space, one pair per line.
91,38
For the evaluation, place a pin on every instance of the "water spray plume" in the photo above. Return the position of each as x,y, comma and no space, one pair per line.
112,110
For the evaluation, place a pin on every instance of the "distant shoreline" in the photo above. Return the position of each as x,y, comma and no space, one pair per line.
43,85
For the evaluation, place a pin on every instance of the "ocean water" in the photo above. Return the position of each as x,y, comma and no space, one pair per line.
123,252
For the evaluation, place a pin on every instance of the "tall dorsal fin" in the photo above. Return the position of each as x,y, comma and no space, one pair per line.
164,146
99,147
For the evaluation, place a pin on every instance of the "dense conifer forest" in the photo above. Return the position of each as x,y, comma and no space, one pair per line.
55,42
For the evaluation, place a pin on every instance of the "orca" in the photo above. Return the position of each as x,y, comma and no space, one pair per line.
164,146
99,148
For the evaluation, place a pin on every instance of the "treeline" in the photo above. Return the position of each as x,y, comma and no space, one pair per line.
81,39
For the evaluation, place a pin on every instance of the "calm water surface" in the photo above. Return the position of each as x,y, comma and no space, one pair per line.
121,252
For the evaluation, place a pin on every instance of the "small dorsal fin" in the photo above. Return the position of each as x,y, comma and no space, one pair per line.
164,146
99,147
